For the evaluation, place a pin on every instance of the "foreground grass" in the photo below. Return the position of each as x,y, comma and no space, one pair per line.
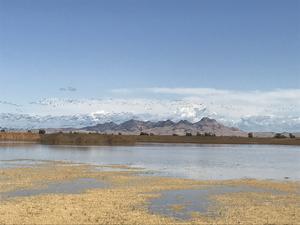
125,202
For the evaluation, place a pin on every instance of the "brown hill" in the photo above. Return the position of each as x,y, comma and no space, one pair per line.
167,127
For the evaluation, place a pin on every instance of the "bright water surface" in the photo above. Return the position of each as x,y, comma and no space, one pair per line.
176,160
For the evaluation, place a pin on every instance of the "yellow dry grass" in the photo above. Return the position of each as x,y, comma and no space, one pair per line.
19,136
259,208
125,201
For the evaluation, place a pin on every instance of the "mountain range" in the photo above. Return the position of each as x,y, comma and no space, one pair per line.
166,127
243,112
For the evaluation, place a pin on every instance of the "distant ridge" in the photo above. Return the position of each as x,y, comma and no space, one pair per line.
167,127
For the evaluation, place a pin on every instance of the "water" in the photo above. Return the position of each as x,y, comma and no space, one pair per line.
175,160
20,163
195,200
67,187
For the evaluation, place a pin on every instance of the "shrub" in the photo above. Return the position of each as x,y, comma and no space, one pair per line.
279,135
42,131
119,133
151,134
188,134
174,134
198,134
291,135
250,135
206,134
2,130
144,133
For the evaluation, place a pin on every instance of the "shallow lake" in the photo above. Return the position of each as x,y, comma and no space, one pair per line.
176,160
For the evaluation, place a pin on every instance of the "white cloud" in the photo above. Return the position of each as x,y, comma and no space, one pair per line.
122,91
9,103
250,110
187,91
70,89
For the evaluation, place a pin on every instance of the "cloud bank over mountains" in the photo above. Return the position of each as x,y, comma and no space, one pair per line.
276,110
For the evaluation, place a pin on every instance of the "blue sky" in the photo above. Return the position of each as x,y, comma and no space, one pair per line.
93,49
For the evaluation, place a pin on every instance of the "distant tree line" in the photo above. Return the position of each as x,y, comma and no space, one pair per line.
206,134
146,134
277,135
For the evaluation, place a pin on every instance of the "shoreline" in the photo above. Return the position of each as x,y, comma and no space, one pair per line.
84,139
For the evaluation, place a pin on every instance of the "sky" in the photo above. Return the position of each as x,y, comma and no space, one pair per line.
201,53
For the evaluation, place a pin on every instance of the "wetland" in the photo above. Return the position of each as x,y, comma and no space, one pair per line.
153,184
